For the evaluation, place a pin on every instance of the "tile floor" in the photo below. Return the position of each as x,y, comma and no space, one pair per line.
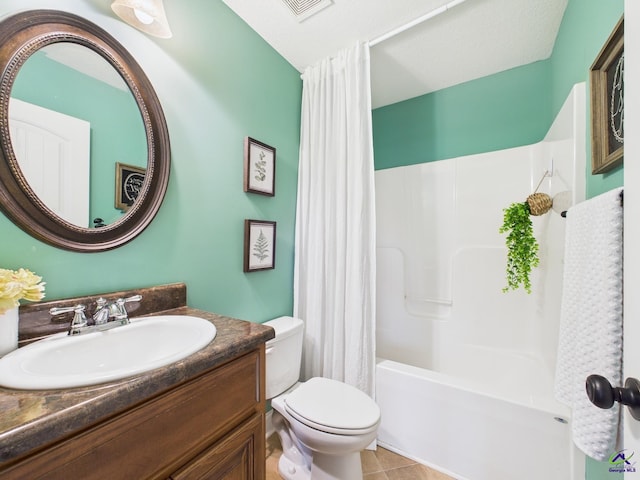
379,465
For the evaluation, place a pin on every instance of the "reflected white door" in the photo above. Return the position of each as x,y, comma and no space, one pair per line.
53,151
632,224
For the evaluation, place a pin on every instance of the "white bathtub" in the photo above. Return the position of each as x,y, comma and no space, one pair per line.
470,392
469,430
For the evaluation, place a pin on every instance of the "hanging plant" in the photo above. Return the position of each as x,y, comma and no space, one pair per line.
522,246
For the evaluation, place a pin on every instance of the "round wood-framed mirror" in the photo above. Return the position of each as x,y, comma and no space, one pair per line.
26,34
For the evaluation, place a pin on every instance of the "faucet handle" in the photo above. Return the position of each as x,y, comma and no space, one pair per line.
121,303
78,309
79,319
133,298
118,309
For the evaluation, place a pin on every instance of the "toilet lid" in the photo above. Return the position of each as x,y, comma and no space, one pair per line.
333,407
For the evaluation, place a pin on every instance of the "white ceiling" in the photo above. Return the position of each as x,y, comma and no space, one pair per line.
471,40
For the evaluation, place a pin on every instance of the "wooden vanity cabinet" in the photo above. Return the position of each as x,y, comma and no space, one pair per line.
211,427
233,458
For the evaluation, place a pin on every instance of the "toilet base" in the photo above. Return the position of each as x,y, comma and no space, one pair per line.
292,471
324,467
332,467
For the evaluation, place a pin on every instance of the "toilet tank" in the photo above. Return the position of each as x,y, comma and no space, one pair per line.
284,355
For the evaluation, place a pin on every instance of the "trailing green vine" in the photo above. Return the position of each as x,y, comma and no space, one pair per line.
522,246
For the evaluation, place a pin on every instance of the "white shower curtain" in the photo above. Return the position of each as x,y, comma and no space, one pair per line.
334,280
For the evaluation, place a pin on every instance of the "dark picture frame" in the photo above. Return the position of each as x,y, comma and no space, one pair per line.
259,245
259,167
129,180
607,103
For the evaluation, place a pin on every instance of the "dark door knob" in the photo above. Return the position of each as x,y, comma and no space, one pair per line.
603,395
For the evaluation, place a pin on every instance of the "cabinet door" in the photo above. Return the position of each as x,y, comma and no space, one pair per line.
240,456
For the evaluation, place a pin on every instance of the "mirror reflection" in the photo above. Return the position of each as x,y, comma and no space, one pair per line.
74,124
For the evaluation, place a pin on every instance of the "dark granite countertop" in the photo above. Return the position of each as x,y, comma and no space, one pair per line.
31,420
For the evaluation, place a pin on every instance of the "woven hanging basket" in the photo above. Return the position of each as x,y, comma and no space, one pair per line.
539,203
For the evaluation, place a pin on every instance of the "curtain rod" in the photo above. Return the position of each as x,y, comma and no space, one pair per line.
413,23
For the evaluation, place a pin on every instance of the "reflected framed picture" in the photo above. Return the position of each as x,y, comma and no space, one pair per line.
259,245
606,77
129,180
259,167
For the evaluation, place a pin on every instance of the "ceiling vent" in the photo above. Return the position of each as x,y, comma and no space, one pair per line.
303,9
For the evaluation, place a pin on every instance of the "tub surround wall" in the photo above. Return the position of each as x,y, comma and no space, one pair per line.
34,419
442,260
442,318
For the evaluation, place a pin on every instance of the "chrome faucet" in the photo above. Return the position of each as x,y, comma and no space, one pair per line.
101,315
106,316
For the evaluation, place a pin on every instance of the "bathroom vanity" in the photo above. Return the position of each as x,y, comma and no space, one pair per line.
201,417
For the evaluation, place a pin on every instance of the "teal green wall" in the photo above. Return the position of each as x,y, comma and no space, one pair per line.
585,28
117,131
218,82
504,110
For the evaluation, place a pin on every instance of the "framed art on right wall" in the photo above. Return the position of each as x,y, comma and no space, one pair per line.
607,103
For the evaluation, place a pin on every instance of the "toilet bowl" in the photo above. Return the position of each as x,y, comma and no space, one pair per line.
323,424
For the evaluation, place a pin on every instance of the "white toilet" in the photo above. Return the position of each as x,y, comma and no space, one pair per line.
323,424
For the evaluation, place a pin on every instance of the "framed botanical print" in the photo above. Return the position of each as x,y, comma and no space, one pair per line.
259,167
259,245
607,104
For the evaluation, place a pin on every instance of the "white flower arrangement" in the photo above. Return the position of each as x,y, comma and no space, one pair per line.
19,285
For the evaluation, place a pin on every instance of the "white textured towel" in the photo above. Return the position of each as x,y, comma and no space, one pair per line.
591,319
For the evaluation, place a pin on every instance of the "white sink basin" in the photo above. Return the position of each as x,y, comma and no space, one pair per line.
63,361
